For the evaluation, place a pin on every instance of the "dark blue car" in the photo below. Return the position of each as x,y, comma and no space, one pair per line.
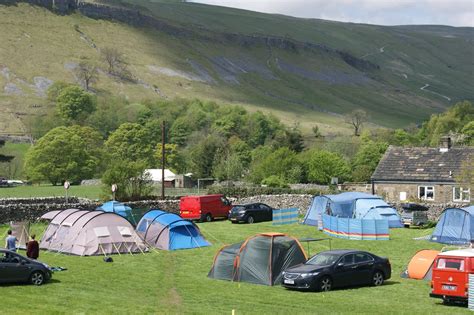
338,268
17,268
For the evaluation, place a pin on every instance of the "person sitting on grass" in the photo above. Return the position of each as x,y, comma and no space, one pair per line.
10,242
32,248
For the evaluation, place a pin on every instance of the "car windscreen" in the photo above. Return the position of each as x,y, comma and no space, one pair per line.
238,208
323,259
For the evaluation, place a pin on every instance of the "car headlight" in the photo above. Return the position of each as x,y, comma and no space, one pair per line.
241,211
311,274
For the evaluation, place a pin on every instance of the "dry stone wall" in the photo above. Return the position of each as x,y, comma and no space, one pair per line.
16,209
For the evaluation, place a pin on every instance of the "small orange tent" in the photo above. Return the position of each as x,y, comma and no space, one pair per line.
421,265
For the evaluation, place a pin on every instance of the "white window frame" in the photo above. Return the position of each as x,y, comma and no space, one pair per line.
462,191
426,189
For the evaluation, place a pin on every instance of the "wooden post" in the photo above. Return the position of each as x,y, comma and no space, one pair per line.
163,161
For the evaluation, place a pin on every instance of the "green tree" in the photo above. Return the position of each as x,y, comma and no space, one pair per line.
132,142
323,165
129,176
357,118
202,155
74,105
367,158
65,153
173,156
3,157
451,121
282,162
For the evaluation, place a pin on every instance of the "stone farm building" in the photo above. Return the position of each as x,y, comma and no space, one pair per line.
422,174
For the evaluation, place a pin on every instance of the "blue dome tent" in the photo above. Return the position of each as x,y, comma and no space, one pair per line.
455,226
169,231
351,205
118,208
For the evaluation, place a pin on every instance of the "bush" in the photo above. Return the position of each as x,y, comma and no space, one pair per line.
242,192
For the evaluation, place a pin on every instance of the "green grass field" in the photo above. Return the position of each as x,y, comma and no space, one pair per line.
90,192
176,282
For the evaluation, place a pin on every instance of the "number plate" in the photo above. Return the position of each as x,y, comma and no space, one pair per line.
287,281
449,287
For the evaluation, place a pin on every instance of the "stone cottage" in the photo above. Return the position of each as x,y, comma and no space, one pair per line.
422,174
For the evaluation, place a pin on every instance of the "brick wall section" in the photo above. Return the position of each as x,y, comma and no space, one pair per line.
31,209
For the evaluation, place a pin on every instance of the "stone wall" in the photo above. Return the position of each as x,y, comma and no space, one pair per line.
391,192
18,209
31,209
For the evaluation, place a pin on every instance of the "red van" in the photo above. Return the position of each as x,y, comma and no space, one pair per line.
204,208
450,278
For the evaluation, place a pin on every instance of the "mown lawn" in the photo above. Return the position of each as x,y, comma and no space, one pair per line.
176,282
90,192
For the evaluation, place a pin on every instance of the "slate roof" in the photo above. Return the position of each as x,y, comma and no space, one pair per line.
421,164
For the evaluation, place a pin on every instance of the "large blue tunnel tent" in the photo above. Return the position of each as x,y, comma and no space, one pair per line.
169,231
351,205
455,226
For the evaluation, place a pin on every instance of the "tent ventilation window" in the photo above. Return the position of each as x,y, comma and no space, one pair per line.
102,231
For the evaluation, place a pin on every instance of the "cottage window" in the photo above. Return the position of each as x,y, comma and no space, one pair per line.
461,194
426,192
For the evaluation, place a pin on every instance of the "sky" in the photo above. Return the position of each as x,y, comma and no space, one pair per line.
381,12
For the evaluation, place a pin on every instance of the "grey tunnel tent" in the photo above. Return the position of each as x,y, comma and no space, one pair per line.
260,259
87,233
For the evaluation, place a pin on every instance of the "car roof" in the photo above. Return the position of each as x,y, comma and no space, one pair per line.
344,251
466,252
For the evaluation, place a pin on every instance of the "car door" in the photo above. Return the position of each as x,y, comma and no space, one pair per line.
12,268
267,213
344,271
364,267
254,211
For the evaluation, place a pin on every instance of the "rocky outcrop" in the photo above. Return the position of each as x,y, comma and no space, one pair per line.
133,16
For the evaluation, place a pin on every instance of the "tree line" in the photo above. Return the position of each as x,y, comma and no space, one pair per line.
86,137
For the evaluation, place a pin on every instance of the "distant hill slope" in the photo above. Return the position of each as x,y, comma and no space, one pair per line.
305,70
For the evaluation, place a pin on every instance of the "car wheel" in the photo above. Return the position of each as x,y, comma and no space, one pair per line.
208,217
325,284
377,278
37,278
250,219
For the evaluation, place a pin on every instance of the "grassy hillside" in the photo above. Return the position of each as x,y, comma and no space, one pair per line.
311,86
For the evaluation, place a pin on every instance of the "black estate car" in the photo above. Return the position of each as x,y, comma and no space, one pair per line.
250,213
16,268
337,268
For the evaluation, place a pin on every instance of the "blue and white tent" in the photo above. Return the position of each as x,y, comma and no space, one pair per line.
120,209
455,226
169,231
351,205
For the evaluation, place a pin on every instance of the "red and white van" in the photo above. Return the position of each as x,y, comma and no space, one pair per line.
450,278
204,208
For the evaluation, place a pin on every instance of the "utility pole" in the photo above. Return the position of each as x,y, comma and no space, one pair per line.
163,160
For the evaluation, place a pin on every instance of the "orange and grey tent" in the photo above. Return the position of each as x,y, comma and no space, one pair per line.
260,259
421,265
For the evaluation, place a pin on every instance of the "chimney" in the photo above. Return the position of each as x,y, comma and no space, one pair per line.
445,144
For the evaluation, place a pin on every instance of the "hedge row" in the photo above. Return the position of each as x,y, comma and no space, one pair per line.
242,192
